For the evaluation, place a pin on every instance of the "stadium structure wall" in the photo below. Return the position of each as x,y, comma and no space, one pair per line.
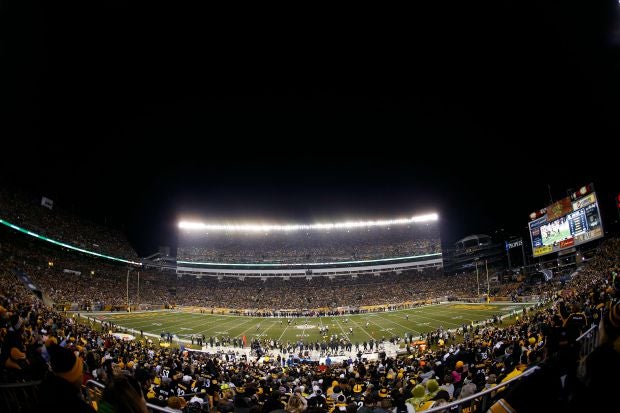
311,270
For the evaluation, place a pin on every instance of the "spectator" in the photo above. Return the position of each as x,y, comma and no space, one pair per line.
123,395
62,388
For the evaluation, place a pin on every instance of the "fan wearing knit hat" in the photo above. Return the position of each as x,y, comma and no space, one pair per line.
13,354
65,364
62,387
418,393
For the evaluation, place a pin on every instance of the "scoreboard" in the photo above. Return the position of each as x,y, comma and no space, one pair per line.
566,224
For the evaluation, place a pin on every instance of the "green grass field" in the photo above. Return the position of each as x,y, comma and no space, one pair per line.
365,326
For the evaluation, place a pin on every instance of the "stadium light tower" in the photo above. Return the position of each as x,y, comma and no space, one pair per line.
138,298
477,281
488,285
128,271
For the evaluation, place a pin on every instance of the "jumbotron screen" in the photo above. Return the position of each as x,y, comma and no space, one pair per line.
566,224
309,245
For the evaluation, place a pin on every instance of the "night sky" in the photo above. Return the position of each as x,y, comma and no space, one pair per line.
135,116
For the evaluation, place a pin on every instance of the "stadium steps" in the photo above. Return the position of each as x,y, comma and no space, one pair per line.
30,286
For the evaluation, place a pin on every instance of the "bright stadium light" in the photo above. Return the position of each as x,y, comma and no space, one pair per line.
425,218
191,225
296,227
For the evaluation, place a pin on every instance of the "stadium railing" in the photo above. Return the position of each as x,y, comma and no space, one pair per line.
482,400
588,341
19,397
485,398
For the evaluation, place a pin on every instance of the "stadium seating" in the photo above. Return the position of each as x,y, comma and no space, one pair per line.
38,345
312,245
26,211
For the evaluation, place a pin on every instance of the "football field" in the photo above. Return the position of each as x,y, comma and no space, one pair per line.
357,328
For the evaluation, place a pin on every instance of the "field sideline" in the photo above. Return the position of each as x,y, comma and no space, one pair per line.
365,326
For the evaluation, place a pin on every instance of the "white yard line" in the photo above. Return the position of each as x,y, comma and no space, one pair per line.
434,319
342,329
362,328
219,325
398,324
282,335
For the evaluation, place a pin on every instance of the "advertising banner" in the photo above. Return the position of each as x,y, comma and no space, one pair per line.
586,200
559,209
546,249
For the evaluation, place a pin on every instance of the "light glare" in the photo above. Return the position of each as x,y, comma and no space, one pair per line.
297,227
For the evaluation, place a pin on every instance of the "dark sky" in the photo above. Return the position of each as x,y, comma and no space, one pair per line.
138,115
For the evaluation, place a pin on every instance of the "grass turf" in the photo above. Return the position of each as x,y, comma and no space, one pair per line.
365,326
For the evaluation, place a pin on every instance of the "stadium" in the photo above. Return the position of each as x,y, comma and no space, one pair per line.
330,300
270,210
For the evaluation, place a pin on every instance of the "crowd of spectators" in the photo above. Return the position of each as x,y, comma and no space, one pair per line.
69,277
26,211
39,343
311,245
